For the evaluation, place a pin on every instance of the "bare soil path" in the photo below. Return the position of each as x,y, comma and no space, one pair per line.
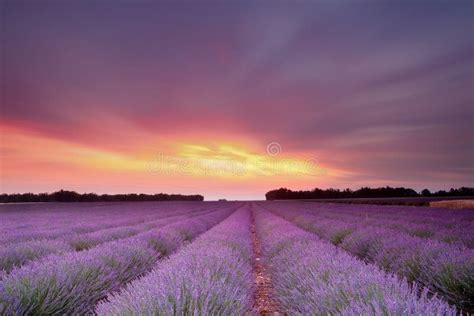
264,303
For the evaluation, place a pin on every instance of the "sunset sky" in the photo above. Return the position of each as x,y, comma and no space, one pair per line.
231,100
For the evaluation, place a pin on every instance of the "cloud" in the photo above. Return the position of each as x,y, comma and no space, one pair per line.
381,91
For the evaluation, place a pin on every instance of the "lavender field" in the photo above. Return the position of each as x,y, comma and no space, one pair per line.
235,258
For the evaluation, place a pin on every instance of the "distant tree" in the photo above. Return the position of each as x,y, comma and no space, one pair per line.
71,196
65,196
364,192
426,192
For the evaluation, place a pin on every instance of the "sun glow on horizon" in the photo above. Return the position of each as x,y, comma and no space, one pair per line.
232,161
32,157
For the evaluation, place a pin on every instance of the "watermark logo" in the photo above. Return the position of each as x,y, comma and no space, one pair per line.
228,162
273,149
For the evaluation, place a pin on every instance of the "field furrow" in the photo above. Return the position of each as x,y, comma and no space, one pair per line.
264,301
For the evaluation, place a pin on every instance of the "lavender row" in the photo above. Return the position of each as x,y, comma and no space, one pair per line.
456,234
77,216
41,226
73,283
434,216
313,277
442,268
18,215
444,225
15,255
211,276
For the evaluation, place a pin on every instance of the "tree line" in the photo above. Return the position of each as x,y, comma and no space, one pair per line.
72,196
364,192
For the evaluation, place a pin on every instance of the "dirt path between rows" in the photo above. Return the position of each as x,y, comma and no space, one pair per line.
264,303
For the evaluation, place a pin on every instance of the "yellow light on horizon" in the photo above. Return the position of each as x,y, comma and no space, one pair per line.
226,160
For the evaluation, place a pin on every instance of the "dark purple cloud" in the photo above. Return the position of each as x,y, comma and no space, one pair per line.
387,85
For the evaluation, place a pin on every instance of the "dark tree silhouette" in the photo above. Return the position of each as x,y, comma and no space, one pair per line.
364,192
71,196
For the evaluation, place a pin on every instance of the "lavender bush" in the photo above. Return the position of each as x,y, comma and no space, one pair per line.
443,268
18,224
445,225
313,277
17,254
350,260
74,282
